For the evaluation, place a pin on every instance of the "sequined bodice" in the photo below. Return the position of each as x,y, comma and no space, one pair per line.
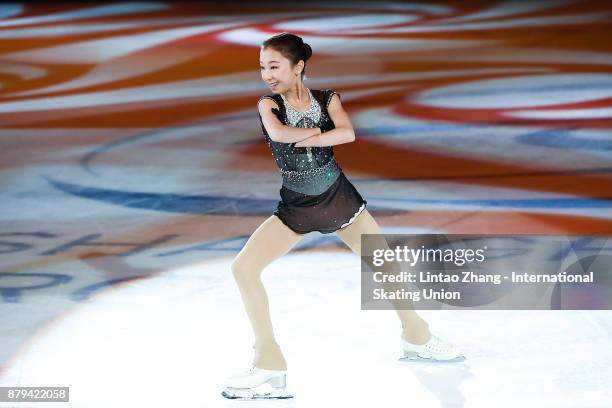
307,170
308,119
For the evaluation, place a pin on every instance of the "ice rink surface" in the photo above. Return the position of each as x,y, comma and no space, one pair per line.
173,338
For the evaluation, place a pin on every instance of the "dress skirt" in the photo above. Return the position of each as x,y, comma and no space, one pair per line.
335,208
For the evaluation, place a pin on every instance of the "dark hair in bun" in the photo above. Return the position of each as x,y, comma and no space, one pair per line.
291,47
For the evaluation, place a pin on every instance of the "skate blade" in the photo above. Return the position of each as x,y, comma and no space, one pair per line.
249,394
415,358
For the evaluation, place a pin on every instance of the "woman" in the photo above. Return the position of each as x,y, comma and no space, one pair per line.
301,126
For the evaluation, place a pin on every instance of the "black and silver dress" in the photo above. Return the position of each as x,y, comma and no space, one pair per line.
315,194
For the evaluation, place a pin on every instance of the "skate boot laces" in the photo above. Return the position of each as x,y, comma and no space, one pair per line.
437,345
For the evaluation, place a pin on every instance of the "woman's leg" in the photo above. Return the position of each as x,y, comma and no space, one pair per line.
414,328
271,240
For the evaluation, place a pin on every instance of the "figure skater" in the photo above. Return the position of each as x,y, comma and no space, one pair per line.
301,126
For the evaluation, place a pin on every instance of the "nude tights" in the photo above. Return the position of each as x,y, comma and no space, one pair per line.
273,239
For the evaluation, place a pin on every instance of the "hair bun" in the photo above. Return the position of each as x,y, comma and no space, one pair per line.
307,52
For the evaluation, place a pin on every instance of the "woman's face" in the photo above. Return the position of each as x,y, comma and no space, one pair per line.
276,70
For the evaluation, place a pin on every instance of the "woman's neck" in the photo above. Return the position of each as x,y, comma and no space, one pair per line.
300,94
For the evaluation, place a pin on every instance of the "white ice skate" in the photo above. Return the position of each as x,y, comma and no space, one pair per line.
257,383
435,350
